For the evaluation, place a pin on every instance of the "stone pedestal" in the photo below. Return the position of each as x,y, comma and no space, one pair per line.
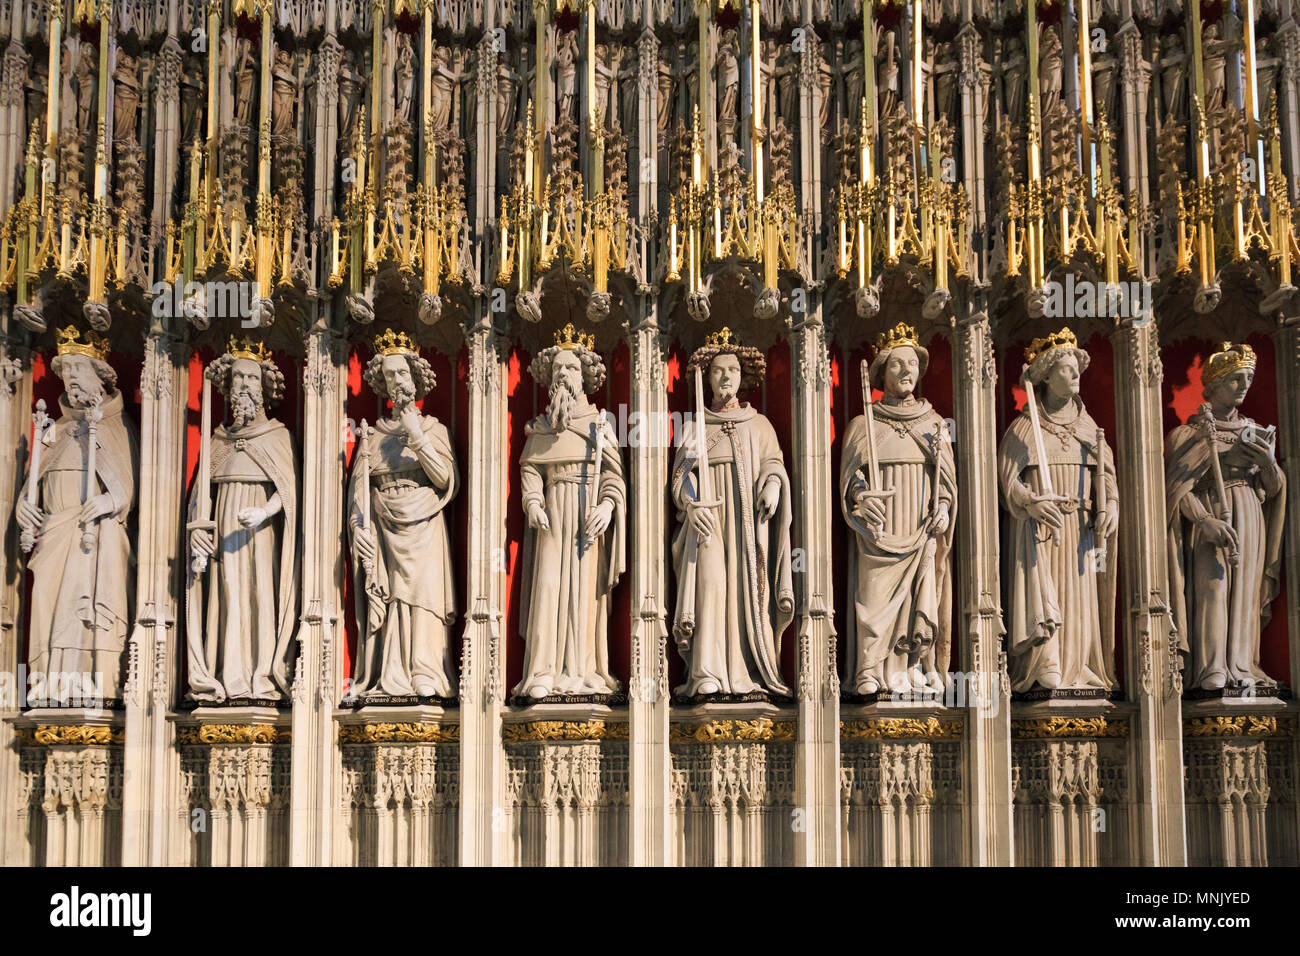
234,794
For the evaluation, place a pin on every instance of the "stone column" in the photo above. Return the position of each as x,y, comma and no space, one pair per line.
15,429
987,741
1151,663
816,822
317,679
316,771
977,629
149,761
648,691
13,134
483,838
815,819
15,433
1287,351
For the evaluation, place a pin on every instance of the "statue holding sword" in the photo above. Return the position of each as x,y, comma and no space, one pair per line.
1059,487
72,515
1226,500
898,491
731,551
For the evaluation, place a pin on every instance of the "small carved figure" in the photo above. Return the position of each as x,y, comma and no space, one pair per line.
245,78
566,73
728,79
404,81
85,74
284,94
126,98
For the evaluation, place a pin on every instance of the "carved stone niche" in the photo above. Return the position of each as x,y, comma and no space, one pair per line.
900,791
1069,788
1240,791
567,785
732,778
400,797
234,795
69,804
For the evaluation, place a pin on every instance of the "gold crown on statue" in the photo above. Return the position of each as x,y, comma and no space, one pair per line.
900,335
394,343
570,338
246,348
1230,358
722,338
1062,339
70,343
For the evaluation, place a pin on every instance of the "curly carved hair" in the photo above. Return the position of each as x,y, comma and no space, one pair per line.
421,375
753,363
593,367
272,378
1043,364
106,373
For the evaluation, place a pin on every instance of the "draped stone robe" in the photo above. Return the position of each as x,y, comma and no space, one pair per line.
901,610
734,593
240,647
407,606
568,582
1062,597
81,599
1220,609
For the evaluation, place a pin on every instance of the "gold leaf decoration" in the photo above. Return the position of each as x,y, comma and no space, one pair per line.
404,733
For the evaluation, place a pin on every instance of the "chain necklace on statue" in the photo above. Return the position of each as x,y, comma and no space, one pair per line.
1064,431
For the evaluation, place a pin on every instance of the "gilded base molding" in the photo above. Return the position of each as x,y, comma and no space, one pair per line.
894,728
69,735
1243,725
405,733
760,729
1069,727
542,730
232,734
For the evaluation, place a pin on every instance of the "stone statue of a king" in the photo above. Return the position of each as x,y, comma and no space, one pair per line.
241,625
403,477
1226,503
898,494
1058,483
731,551
73,514
575,500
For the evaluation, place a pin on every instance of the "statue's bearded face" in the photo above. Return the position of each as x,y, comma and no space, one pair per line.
566,386
398,380
567,369
245,391
81,383
902,372
724,377
1063,379
1229,391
